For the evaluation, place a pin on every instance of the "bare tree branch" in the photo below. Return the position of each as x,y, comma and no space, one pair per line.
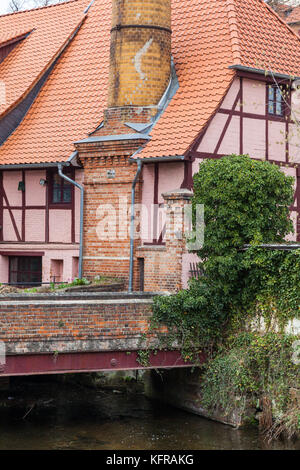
278,5
18,5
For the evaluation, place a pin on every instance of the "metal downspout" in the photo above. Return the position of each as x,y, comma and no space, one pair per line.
62,175
132,219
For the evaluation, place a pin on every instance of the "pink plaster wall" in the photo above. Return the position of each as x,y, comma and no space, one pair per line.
79,178
147,201
231,95
35,225
277,141
254,130
186,260
3,269
170,177
68,256
292,172
8,229
213,134
35,194
11,181
254,138
231,141
196,164
60,226
294,143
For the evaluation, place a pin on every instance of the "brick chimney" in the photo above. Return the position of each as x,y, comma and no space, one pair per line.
140,55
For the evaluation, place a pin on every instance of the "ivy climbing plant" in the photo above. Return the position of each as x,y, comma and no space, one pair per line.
246,203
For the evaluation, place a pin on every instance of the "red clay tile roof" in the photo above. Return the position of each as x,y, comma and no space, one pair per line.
208,37
266,42
11,36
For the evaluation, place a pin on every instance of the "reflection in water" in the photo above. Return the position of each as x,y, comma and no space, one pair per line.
68,417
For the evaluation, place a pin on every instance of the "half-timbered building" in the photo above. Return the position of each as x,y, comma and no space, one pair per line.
115,100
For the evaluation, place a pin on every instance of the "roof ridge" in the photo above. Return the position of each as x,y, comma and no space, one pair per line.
281,19
38,8
234,31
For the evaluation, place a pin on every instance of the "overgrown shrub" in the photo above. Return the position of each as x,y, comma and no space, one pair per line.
248,367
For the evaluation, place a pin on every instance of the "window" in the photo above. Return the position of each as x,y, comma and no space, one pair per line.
276,100
25,270
60,190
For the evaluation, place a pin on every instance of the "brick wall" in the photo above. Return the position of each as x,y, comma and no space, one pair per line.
107,214
73,322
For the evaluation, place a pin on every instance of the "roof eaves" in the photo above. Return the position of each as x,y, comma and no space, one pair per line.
20,166
113,138
49,64
244,68
169,158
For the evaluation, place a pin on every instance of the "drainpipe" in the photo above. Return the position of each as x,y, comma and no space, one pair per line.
132,219
62,175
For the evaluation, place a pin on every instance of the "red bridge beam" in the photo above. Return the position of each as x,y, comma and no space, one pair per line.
40,364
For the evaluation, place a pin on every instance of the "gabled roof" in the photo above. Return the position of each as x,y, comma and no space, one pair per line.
209,36
49,29
71,103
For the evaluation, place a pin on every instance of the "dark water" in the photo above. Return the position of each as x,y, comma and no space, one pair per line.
61,416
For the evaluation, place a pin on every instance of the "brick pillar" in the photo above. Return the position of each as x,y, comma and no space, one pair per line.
163,264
